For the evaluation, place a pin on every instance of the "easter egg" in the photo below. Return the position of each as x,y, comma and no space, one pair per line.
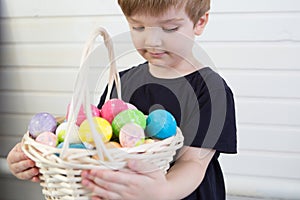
102,126
81,114
149,141
72,146
41,122
47,138
111,108
131,135
112,144
61,133
128,116
161,124
131,106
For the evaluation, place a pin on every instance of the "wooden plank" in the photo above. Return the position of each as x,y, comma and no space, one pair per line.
253,27
11,132
31,103
260,83
46,79
230,6
41,55
236,27
264,164
268,138
13,8
59,29
255,56
50,80
33,8
7,143
265,111
263,187
65,55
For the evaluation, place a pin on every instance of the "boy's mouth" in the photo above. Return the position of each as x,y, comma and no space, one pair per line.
156,54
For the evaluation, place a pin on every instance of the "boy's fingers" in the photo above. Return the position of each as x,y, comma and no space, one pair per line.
28,174
22,166
35,179
16,157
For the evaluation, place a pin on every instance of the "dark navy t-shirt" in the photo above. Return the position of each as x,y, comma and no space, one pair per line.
203,106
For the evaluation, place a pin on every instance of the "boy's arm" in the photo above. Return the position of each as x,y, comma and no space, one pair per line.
147,182
188,171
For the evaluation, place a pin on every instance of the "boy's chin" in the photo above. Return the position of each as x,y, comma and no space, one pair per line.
157,63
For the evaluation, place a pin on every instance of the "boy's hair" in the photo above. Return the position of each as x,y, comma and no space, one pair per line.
193,8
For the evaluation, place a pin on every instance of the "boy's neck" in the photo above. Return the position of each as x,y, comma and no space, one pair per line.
175,72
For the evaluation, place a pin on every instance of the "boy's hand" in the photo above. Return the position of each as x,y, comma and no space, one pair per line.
21,166
140,181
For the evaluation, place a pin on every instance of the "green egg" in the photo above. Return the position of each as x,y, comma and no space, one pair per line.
128,116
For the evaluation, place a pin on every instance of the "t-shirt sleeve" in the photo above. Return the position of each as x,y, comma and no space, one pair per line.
212,124
221,135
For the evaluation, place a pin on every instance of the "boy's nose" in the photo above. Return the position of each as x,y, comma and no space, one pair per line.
153,37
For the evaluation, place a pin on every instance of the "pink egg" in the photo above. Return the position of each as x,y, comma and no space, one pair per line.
81,115
112,108
47,138
131,135
131,106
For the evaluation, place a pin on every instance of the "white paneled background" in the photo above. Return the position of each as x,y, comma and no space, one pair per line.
254,44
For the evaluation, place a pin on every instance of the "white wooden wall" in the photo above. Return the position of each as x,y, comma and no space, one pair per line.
254,44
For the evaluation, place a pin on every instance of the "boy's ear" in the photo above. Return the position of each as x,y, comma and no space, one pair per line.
200,25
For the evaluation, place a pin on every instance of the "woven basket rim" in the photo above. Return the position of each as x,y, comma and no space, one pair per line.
45,151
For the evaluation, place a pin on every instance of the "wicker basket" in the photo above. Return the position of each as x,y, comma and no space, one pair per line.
60,169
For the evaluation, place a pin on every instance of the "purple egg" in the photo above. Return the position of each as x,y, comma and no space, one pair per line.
41,122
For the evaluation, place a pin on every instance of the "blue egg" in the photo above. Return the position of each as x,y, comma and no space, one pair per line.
73,146
161,124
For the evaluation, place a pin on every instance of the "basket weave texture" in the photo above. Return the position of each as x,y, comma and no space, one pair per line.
60,169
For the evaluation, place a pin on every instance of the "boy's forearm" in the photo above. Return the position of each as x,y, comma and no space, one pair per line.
186,175
183,180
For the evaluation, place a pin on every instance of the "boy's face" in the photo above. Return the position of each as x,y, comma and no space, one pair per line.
165,40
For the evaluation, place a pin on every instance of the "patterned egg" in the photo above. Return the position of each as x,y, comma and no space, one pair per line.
41,122
131,135
102,126
47,138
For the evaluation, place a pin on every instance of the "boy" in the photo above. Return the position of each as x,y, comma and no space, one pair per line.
163,32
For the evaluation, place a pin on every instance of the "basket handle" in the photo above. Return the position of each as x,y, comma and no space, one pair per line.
81,95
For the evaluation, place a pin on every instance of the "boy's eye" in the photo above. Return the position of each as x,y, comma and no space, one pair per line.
169,30
138,28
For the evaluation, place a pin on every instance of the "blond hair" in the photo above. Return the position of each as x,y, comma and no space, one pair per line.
193,8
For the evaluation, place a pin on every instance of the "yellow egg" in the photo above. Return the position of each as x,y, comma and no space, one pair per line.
102,126
149,141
